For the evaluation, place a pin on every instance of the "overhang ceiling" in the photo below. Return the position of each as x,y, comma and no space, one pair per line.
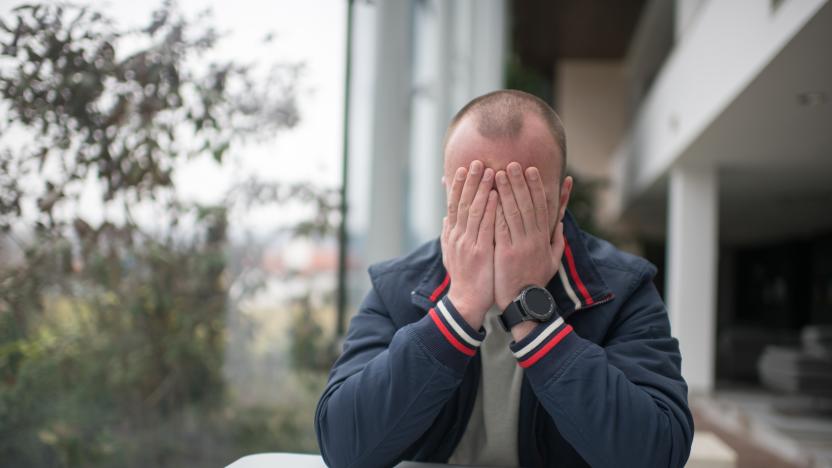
544,31
773,150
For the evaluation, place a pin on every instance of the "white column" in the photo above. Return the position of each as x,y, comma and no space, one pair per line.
692,246
488,46
426,198
479,43
390,131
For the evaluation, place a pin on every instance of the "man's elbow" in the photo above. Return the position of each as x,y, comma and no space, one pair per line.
325,441
681,439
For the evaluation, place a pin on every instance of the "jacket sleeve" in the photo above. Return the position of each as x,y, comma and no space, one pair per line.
623,404
389,385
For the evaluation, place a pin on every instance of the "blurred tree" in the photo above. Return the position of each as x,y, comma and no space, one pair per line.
123,118
110,334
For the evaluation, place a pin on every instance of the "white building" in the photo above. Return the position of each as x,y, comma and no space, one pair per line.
710,123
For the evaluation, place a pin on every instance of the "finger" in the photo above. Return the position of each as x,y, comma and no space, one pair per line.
477,210
486,234
510,211
538,198
521,195
453,196
502,234
469,190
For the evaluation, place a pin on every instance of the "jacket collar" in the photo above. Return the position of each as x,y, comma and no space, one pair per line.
577,285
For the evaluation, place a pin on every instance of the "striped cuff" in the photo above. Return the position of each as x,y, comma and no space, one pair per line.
448,336
540,341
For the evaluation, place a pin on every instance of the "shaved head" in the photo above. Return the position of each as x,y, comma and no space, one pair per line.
511,126
503,114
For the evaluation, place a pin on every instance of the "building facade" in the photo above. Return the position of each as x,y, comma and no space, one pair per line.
707,124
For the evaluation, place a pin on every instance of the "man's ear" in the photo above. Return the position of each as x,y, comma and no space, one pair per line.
565,192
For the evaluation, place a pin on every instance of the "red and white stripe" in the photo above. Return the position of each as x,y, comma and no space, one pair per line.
449,335
456,326
549,338
573,272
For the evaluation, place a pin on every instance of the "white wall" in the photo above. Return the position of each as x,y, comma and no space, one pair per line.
592,102
723,49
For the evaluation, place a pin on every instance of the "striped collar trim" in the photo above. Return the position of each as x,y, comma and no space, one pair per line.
577,285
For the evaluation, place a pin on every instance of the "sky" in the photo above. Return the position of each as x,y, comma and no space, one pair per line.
311,32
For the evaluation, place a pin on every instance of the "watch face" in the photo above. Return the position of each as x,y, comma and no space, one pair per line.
538,303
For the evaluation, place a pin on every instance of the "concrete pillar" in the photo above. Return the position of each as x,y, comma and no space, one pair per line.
429,117
390,131
459,53
478,54
692,247
488,46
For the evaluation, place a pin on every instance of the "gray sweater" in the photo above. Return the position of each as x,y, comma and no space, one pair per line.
490,438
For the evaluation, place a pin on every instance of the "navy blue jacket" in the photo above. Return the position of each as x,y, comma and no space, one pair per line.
601,385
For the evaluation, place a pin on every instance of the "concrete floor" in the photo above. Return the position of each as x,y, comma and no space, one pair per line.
752,422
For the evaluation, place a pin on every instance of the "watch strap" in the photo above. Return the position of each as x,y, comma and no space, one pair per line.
512,316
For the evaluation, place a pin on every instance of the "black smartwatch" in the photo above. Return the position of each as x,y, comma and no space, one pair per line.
533,303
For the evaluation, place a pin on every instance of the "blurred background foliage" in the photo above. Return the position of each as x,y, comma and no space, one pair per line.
112,335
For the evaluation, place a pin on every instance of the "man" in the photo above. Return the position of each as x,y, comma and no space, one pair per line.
587,373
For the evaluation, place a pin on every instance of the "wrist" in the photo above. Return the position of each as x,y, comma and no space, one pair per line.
506,299
521,330
473,315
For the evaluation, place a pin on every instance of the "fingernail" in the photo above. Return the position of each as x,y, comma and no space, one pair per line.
514,168
460,173
501,177
475,167
531,173
488,174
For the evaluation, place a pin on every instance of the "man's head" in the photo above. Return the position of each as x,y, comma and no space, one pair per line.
504,126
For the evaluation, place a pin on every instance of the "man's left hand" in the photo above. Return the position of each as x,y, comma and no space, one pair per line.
526,252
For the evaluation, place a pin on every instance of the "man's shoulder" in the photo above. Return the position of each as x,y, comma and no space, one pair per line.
400,282
626,278
399,278
416,261
617,266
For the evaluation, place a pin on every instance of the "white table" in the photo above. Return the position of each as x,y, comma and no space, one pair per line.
298,460
274,460
708,452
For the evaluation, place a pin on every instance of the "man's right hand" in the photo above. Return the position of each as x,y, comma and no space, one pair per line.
468,242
